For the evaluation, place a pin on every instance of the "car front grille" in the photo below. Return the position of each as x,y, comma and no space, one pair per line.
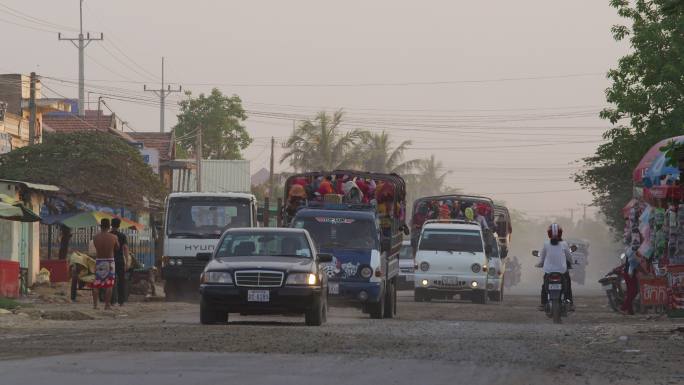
259,278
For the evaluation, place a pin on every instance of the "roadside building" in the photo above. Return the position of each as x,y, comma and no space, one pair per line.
20,241
15,114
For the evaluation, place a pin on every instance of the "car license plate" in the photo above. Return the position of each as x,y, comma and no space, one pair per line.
333,288
450,280
258,296
555,286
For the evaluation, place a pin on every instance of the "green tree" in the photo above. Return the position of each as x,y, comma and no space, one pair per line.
220,118
319,144
93,167
378,155
647,94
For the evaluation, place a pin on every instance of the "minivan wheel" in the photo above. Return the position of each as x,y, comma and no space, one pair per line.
391,301
209,315
479,297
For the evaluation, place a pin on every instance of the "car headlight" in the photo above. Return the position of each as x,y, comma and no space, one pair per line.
475,267
302,279
424,266
172,262
216,277
366,272
491,271
179,262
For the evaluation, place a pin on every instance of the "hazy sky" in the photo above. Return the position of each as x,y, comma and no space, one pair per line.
505,93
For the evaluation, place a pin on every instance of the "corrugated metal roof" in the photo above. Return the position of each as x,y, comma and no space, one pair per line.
34,186
218,176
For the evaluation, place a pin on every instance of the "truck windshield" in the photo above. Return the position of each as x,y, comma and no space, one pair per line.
468,241
406,252
338,232
264,244
206,217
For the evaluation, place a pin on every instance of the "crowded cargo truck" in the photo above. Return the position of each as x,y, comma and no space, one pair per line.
358,218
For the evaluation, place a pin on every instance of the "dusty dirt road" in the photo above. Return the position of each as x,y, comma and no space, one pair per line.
430,343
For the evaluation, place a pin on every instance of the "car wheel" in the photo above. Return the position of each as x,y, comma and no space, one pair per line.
316,315
377,309
391,301
209,315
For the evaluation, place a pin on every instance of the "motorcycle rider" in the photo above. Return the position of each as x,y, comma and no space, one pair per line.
556,257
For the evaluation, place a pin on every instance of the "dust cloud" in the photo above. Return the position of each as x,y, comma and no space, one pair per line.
529,234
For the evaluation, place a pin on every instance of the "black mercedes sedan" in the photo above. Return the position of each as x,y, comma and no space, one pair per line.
264,271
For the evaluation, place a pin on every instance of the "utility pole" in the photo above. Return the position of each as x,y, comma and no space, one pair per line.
584,211
162,93
83,42
198,159
270,177
32,110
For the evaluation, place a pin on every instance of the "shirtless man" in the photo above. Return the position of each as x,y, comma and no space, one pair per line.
105,243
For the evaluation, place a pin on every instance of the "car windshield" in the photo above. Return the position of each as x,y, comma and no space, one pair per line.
264,244
339,232
451,240
406,252
206,217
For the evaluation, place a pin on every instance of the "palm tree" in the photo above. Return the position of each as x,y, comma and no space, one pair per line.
429,178
377,155
320,145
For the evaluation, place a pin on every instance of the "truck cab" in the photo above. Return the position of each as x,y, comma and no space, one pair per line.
193,224
364,238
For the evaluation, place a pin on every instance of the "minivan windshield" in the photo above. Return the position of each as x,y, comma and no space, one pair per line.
469,241
336,232
264,244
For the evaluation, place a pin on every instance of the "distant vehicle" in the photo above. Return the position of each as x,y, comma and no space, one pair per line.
264,271
406,265
194,223
580,259
503,226
364,238
423,207
451,260
496,268
513,272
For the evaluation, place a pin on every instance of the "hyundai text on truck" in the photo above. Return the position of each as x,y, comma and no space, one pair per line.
363,234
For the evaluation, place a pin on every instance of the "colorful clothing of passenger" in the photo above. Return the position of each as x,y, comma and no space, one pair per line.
105,273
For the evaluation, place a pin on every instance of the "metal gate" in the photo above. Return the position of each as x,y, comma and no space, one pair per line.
24,239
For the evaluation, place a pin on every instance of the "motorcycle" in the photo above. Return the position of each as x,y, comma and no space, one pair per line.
557,305
613,284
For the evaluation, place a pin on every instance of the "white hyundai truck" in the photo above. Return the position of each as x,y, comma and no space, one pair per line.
193,224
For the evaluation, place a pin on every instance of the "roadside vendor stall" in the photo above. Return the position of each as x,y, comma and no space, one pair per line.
654,229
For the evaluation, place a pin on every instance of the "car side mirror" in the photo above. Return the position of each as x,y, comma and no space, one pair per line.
535,253
204,256
325,258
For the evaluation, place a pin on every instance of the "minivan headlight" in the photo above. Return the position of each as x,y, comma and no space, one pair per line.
366,272
302,279
476,268
217,277
424,266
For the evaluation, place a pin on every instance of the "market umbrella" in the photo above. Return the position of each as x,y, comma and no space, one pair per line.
650,156
660,173
13,210
89,219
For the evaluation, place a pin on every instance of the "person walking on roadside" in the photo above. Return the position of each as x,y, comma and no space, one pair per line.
106,244
120,255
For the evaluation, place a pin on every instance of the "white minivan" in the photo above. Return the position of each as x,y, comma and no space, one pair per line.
451,260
